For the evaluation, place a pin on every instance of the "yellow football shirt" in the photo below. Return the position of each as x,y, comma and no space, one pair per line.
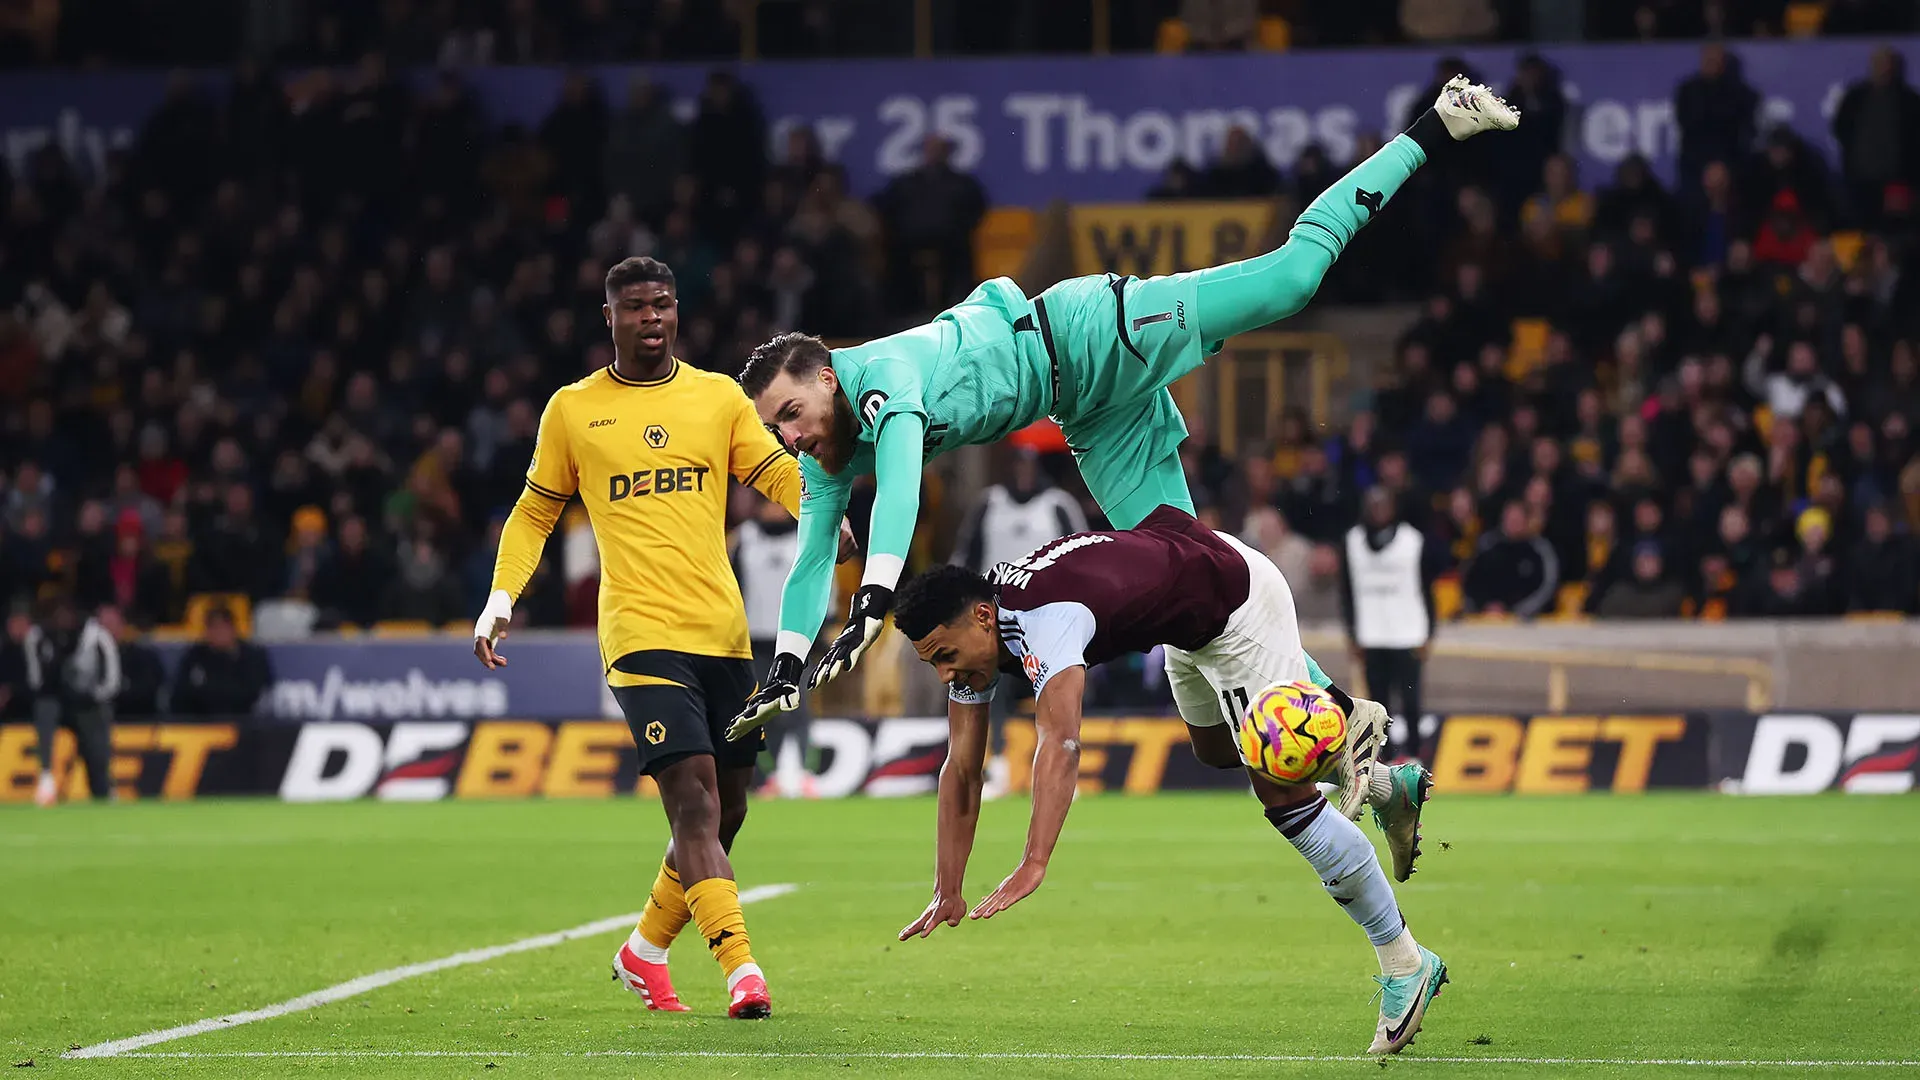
650,460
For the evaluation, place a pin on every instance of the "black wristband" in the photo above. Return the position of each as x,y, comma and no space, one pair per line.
1430,133
786,668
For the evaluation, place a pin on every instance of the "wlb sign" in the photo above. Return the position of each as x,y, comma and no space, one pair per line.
1150,239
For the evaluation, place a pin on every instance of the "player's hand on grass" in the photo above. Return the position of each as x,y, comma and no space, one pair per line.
864,623
849,547
779,693
491,627
1018,886
944,909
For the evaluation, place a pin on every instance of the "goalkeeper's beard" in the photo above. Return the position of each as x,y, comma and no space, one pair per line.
835,452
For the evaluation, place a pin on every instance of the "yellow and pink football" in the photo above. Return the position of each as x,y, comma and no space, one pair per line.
1293,733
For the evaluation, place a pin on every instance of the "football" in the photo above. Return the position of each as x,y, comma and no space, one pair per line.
1293,733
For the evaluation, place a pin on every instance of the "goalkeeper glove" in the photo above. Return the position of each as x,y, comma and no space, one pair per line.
864,623
779,693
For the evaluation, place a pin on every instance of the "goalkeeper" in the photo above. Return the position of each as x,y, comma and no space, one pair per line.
1095,353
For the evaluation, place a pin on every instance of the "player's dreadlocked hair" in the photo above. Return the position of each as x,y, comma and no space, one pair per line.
797,354
635,270
936,598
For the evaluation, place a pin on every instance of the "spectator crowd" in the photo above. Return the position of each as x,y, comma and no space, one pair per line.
1641,399
293,343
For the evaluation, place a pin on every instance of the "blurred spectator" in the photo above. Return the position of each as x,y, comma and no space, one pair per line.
351,584
1242,170
73,673
1819,571
1878,128
575,137
142,676
1786,392
1016,517
930,213
1266,530
1560,200
1883,572
1715,109
1448,20
422,588
1514,572
727,145
1179,181
1649,593
1536,91
646,149
1786,166
222,674
1220,24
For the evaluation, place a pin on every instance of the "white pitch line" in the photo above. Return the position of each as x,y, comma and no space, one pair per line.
366,983
1015,1055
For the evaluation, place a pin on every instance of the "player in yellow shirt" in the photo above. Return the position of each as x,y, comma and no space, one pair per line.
648,443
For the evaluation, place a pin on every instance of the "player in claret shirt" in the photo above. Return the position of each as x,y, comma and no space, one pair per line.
1095,353
1226,617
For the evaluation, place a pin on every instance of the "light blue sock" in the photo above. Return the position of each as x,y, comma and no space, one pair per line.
1349,870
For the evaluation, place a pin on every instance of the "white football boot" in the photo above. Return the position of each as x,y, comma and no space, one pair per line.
1366,736
1468,108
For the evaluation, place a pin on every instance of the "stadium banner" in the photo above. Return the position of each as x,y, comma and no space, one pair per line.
438,758
1097,129
1556,755
1805,753
1151,239
548,677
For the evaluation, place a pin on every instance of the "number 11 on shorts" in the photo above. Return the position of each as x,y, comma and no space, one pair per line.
1235,713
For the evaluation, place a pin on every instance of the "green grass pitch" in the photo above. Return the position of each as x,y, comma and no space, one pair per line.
1630,929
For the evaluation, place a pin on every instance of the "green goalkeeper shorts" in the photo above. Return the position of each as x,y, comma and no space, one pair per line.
1118,343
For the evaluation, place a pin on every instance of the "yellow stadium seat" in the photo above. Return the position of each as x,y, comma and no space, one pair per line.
1275,35
1001,243
347,629
1805,19
1172,37
393,628
1446,597
1846,248
1529,346
1876,616
1570,601
236,604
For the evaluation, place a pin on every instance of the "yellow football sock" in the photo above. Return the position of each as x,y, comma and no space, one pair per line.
716,907
666,913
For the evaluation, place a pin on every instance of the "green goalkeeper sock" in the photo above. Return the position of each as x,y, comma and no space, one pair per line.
1252,293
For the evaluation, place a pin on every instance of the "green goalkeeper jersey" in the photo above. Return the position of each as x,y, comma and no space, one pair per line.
974,375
